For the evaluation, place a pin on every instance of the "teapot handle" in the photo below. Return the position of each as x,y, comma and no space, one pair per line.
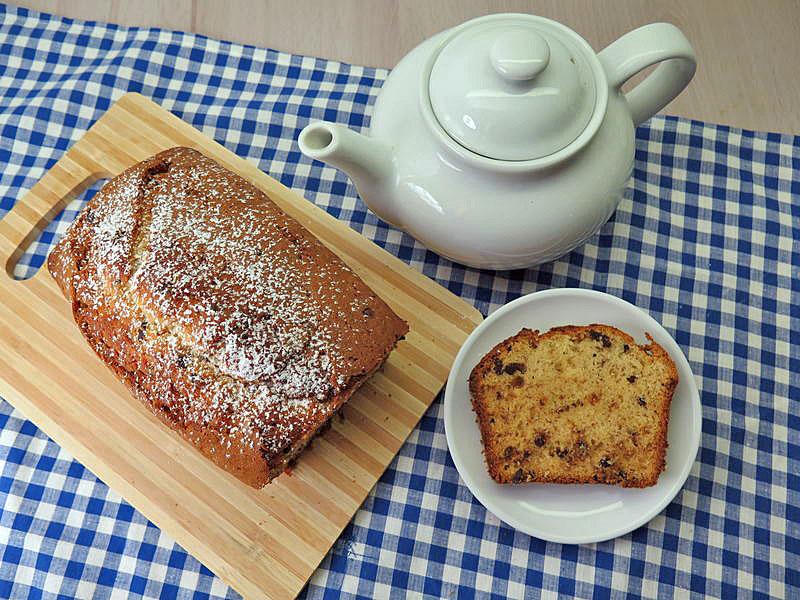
641,48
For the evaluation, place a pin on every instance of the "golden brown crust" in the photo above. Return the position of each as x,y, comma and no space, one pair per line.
230,321
531,432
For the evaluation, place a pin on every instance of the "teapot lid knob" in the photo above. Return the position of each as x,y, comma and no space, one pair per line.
520,55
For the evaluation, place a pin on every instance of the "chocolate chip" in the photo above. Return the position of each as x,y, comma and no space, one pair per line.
625,348
516,367
539,441
327,396
600,337
606,462
497,366
632,379
526,454
519,476
622,474
562,452
642,402
509,452
181,361
142,330
518,381
566,407
367,312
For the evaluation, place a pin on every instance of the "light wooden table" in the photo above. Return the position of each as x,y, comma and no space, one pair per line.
748,50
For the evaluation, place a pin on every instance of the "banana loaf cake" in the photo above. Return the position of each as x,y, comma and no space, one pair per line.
574,405
223,315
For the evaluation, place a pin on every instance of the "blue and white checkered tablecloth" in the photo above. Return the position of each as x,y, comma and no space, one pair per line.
707,240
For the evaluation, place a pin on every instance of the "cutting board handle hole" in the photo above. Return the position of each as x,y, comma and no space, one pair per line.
32,252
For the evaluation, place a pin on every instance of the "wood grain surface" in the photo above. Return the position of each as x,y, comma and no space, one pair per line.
262,542
748,50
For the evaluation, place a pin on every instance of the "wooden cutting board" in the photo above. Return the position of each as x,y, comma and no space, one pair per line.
262,542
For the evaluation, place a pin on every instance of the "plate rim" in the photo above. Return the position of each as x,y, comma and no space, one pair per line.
526,527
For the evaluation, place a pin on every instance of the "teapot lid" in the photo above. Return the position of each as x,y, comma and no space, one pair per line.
512,88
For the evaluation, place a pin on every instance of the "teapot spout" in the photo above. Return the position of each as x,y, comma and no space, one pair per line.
368,162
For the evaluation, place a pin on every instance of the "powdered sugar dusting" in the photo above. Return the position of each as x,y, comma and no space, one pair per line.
226,314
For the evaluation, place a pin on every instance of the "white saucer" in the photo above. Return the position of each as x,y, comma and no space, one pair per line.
570,514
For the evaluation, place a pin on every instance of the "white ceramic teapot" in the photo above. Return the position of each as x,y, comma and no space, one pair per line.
506,142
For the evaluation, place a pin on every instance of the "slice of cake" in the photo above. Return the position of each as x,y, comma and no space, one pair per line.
574,405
